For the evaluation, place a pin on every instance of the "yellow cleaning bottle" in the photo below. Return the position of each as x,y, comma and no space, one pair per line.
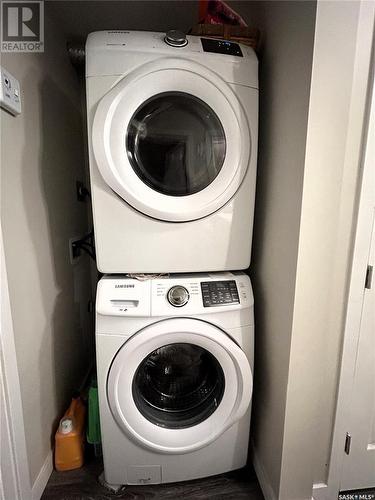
69,437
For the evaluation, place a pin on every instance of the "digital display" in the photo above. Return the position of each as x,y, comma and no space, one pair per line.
221,47
219,293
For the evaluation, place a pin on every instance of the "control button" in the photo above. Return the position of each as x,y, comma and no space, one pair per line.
7,82
178,296
219,293
175,38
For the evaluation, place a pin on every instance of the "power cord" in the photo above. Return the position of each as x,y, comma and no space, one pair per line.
85,244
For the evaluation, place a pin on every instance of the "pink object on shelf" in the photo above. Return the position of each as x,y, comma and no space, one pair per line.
218,12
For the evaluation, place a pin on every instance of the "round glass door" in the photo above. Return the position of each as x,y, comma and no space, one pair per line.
172,140
178,386
176,144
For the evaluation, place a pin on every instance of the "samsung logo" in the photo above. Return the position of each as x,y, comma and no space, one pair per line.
124,286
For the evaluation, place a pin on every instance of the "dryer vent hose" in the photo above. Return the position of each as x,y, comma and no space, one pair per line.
77,54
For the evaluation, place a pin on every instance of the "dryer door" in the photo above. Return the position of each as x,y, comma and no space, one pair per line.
172,139
178,384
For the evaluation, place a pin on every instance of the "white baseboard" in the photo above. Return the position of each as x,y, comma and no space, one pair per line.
264,482
42,478
319,491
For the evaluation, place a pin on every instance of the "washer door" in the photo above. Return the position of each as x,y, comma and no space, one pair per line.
172,139
178,384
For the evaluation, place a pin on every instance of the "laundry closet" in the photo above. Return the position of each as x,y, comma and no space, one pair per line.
297,198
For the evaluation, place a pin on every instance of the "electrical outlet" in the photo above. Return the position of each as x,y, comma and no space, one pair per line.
10,93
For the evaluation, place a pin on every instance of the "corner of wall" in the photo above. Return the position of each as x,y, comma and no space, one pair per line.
261,472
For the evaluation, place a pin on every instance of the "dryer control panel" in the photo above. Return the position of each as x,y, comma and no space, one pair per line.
221,47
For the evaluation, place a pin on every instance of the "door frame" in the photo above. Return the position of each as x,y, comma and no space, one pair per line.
356,288
15,477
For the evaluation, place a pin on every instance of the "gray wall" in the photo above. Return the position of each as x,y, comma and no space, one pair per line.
41,158
79,18
285,73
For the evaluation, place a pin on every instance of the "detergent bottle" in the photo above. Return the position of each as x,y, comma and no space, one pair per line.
69,437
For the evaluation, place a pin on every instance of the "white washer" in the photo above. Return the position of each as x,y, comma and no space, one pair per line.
173,152
175,381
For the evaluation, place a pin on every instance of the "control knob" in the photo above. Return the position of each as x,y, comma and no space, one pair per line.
178,296
175,38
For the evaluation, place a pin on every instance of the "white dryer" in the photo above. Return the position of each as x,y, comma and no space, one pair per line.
172,127
174,361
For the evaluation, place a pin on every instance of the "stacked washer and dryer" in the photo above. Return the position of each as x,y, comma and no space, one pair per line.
172,123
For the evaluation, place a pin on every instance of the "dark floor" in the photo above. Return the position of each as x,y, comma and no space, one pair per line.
82,484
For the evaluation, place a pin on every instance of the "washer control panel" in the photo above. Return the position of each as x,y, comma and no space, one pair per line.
173,295
219,293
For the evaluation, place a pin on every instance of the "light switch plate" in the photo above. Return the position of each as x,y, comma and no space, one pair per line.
10,93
